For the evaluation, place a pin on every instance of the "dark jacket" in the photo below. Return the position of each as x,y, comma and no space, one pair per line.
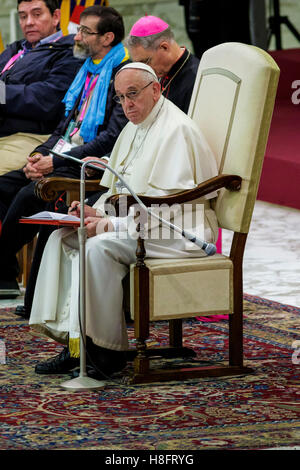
35,86
108,132
179,83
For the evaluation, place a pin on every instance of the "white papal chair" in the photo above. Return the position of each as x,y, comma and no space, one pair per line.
232,102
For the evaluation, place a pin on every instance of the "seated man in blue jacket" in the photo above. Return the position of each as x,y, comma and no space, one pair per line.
35,74
91,125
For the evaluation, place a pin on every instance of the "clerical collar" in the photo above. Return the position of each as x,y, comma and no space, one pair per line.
174,70
152,115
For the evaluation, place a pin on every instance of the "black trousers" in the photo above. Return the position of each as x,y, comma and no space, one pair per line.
18,199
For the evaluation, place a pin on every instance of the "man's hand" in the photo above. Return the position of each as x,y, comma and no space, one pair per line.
34,158
98,225
74,209
90,171
30,171
44,165
38,166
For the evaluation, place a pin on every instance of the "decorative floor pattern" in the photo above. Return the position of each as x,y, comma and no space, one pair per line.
257,411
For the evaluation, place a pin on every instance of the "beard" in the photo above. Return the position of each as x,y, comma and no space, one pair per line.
81,51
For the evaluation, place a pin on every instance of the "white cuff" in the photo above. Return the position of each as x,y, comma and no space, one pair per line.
2,92
119,223
99,213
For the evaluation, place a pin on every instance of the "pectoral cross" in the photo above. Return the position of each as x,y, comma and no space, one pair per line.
119,186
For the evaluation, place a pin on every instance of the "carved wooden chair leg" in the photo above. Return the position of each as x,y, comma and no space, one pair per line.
24,257
141,315
20,257
28,261
236,319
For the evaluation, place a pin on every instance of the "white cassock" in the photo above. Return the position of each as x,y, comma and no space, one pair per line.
163,155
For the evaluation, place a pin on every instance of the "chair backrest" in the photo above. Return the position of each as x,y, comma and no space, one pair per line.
233,101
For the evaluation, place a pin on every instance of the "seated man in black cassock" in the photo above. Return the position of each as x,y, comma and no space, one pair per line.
152,42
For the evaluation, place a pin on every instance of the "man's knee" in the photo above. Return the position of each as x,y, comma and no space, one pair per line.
27,191
23,204
24,198
11,183
110,246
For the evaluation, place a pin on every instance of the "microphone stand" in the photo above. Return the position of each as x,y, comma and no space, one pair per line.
83,382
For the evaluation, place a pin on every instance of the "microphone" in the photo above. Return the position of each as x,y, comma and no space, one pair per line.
208,248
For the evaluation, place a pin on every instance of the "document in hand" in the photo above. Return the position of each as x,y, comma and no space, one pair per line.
51,218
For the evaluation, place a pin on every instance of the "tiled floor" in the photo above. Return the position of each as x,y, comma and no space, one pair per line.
272,255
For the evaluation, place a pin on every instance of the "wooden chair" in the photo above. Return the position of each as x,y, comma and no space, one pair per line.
232,102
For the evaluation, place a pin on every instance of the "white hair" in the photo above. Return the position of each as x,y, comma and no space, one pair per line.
146,71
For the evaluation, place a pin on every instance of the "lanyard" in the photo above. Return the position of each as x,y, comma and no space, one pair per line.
89,85
12,60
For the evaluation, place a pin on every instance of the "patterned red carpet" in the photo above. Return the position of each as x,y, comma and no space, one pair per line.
258,411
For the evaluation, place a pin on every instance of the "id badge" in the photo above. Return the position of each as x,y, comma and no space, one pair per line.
62,146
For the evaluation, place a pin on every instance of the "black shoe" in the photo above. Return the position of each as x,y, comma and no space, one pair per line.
105,361
9,289
22,312
60,364
103,370
91,372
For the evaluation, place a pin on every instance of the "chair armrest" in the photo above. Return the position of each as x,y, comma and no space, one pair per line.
229,182
48,188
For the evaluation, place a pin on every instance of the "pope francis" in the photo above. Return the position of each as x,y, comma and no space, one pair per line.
161,151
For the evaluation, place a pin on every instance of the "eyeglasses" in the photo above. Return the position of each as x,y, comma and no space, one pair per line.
85,32
130,95
147,60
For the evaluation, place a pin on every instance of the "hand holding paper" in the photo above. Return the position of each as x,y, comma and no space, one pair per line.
51,218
